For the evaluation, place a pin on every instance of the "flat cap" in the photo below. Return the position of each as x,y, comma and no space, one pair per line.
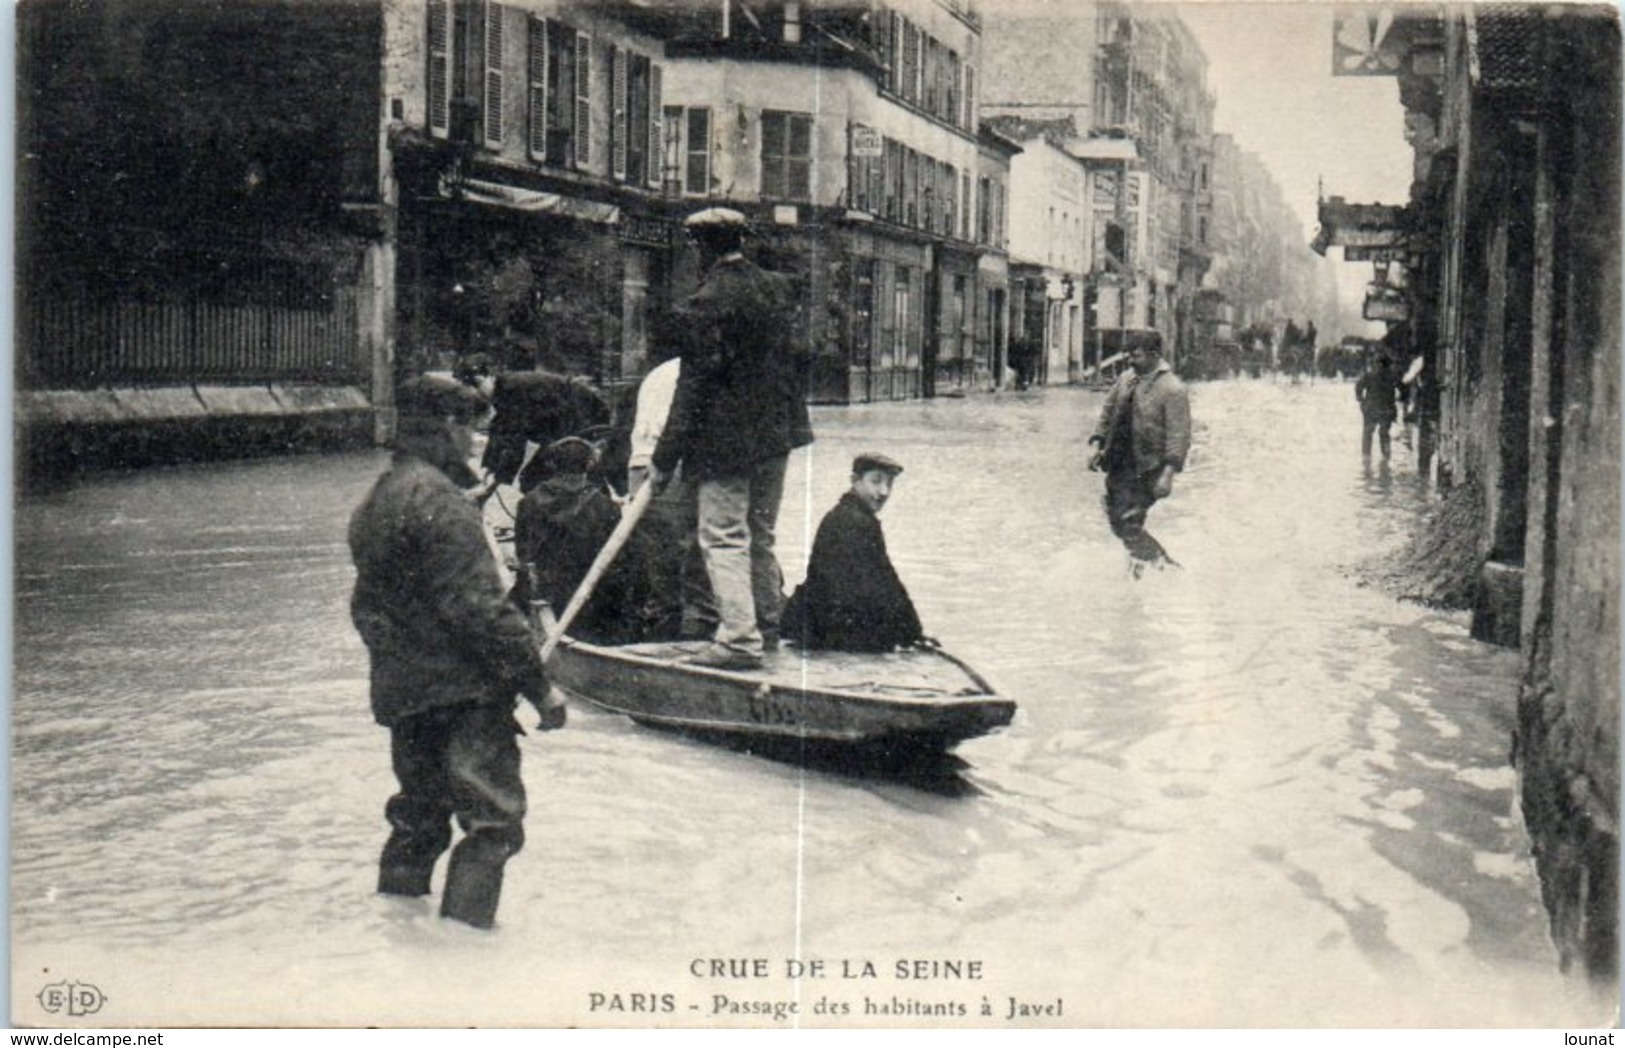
431,396
715,218
871,460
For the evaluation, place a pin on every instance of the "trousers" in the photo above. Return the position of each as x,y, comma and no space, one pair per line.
462,763
738,521
1380,426
1129,497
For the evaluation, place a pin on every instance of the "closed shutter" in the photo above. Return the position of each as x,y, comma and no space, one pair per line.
894,51
656,124
493,75
583,128
536,92
697,176
439,32
620,123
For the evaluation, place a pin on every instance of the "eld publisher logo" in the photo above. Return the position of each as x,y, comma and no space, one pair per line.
75,998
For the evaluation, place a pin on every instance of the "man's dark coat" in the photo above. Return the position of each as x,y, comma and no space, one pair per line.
428,602
852,599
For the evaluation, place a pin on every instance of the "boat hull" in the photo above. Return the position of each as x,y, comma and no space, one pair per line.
913,699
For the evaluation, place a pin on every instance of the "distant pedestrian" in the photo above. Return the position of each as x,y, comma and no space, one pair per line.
1378,392
852,599
740,409
1141,440
449,654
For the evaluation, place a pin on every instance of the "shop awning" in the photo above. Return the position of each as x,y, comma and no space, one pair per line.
536,202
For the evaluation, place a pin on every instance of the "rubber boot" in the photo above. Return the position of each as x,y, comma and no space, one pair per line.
474,884
404,880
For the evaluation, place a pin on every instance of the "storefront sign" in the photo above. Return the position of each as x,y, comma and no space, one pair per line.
1386,303
1359,226
641,229
866,142
1359,253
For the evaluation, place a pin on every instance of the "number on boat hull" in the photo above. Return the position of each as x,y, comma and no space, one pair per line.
768,707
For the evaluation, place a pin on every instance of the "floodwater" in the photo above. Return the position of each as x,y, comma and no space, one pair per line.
1247,792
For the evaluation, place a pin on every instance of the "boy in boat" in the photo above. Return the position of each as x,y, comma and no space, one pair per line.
563,522
852,599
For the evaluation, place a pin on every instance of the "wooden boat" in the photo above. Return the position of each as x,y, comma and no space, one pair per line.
913,701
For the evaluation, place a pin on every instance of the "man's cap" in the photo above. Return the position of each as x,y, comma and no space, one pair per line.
431,396
874,460
716,218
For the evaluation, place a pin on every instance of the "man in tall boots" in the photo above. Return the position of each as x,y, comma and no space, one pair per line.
449,655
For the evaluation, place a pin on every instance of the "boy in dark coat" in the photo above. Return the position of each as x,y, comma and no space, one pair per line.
449,655
563,522
852,599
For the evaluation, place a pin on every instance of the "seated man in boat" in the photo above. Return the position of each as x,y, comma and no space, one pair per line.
852,599
564,519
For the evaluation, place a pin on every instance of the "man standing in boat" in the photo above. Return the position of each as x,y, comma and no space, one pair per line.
852,599
449,654
739,410
1141,440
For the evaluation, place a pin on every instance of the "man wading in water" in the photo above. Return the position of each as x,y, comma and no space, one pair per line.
1141,441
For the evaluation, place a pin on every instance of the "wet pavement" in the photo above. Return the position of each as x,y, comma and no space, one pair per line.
1246,792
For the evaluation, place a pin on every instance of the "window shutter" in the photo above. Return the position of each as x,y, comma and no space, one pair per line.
440,71
894,74
970,98
583,128
536,94
698,173
656,126
620,122
493,75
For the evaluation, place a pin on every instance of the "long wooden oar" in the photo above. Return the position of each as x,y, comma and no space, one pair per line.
600,564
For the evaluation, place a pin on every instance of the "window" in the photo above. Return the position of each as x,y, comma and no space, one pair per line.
688,151
440,68
559,80
634,127
786,155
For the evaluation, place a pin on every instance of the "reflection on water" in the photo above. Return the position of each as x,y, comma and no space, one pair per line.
1245,792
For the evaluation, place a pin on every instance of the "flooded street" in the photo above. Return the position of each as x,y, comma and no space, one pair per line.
1247,792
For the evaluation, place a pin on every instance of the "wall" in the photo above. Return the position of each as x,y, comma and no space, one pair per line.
1567,744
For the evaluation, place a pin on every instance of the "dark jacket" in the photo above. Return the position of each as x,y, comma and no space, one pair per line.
852,599
1378,391
428,601
561,526
741,396
537,406
1155,411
